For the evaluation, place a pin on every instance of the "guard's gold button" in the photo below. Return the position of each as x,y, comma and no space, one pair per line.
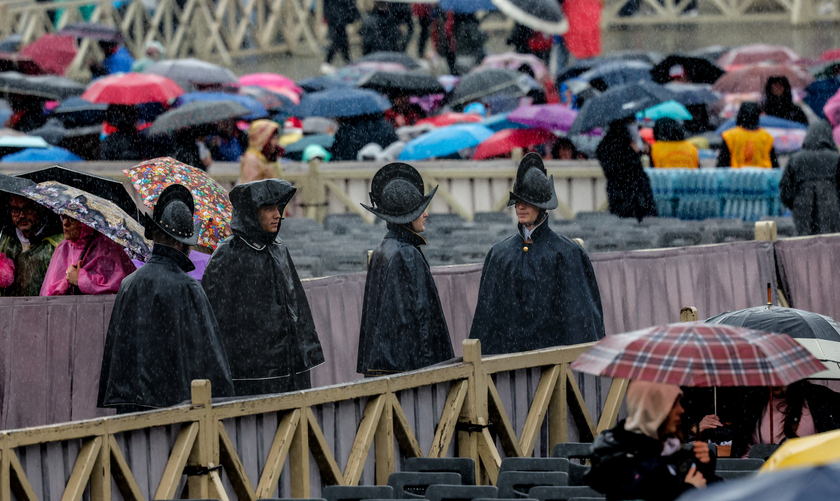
525,249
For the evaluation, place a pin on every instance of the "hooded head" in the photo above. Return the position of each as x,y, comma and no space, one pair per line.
532,184
748,116
247,198
778,89
819,137
668,129
648,406
261,133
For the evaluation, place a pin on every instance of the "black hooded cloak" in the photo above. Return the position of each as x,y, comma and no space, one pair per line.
163,334
403,327
628,187
782,106
543,297
263,313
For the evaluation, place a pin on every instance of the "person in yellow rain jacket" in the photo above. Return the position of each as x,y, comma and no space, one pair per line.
747,145
671,149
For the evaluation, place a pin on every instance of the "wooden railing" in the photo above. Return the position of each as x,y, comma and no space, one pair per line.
214,444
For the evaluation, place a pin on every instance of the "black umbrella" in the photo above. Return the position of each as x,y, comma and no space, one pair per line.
412,84
489,82
95,31
341,102
692,94
818,333
76,112
539,15
617,73
316,84
13,185
83,141
192,74
197,113
47,87
391,57
618,103
53,132
697,69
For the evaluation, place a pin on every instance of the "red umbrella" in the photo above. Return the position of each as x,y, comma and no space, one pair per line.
502,142
830,55
132,88
451,118
754,77
758,53
53,53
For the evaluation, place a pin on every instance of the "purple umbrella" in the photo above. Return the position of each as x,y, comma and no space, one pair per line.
546,116
199,259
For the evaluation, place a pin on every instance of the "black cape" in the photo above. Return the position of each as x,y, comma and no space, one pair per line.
628,187
543,297
263,313
403,327
163,334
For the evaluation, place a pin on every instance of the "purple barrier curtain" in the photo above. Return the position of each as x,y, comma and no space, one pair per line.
808,267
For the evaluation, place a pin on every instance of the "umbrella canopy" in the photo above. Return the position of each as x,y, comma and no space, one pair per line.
400,58
295,150
212,204
53,132
539,15
691,94
197,113
269,100
618,103
488,82
341,102
19,62
76,112
100,186
500,121
271,81
815,450
21,140
515,60
801,484
49,87
95,31
132,88
394,84
450,118
818,333
818,93
698,69
758,53
753,78
191,73
467,6
445,141
830,55
13,185
824,70
316,84
619,73
698,354
53,53
503,142
255,109
668,109
99,213
546,116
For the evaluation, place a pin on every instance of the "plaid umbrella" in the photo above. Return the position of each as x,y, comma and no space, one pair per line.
212,205
698,354
100,214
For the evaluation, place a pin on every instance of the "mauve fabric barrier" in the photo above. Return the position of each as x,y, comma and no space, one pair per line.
808,269
50,363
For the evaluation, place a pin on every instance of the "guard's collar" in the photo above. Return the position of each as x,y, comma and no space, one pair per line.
181,259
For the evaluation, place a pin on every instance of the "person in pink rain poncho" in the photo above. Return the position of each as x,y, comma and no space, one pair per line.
86,262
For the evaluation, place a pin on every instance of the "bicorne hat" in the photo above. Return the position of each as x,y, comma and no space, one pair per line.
533,185
396,194
173,214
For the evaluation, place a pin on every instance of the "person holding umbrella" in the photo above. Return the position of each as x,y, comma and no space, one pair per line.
252,284
403,327
260,159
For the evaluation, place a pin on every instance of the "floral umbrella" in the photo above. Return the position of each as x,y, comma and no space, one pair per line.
212,205
99,213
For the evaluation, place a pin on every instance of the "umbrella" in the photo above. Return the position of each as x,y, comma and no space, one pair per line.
411,84
765,121
270,81
295,150
698,69
342,102
540,15
467,6
832,110
619,73
451,118
212,205
269,100
53,132
100,186
547,116
503,142
513,61
668,109
196,113
255,109
192,73
753,78
13,185
818,93
692,94
19,62
49,87
801,484
618,103
830,55
132,88
818,333
500,121
51,154
814,450
21,140
489,82
53,53
76,112
316,84
699,354
95,31
99,213
445,141
758,53
11,43
400,58
824,70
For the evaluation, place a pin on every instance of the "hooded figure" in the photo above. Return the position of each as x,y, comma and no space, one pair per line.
258,299
628,187
403,327
163,333
642,456
778,100
810,182
354,133
538,289
671,149
260,160
746,144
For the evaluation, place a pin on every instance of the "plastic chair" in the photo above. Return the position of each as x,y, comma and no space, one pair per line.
733,474
762,451
562,493
460,492
413,485
516,484
357,492
463,466
738,464
534,464
574,450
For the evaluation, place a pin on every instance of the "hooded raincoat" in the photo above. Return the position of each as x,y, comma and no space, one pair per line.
263,313
30,264
163,335
254,166
809,184
628,187
403,327
537,294
782,106
104,265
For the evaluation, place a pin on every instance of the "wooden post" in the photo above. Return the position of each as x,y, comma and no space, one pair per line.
5,475
205,451
100,477
688,314
299,458
766,231
474,410
558,411
384,444
314,192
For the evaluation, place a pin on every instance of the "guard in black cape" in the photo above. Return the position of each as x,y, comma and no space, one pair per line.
538,288
163,333
403,327
265,320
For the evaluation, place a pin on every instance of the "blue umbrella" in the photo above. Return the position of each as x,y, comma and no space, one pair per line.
316,84
500,122
53,154
467,6
692,94
341,102
764,121
668,109
799,484
619,73
257,110
445,141
819,92
295,150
